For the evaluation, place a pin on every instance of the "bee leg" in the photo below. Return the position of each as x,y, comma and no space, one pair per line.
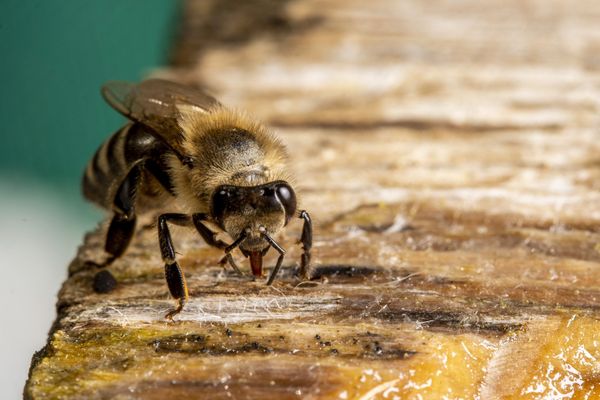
210,239
120,230
208,235
229,249
229,258
118,237
306,240
173,272
281,252
177,287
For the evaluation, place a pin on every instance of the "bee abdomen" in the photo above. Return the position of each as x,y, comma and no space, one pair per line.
132,146
107,169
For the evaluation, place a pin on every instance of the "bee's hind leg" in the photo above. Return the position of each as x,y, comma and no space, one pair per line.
118,237
120,231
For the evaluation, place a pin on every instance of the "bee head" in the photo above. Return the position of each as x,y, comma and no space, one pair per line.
255,209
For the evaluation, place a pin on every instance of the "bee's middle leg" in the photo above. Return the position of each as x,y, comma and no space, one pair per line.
306,240
173,272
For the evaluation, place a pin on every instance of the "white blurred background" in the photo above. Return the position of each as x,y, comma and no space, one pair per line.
40,230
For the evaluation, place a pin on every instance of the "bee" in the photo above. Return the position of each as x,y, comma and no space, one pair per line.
215,169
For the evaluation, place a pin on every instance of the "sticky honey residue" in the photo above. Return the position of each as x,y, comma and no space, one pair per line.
568,363
449,367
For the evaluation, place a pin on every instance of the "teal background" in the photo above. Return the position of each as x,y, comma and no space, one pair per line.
55,55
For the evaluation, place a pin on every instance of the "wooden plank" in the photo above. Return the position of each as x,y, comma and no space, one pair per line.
448,153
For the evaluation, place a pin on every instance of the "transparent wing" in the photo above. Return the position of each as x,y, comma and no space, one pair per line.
153,102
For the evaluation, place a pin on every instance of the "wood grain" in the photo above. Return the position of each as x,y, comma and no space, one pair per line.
449,154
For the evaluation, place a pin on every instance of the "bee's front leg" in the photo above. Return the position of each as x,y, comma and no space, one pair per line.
210,239
228,249
306,240
208,235
173,272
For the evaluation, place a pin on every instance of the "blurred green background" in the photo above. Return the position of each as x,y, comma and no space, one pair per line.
54,57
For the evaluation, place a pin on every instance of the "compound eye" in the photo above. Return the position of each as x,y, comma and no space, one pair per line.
220,201
286,196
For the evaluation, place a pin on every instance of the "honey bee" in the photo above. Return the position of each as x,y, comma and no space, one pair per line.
184,151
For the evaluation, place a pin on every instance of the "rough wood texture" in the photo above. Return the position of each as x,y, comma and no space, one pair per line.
449,153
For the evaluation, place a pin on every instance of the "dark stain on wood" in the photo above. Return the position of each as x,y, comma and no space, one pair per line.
343,272
411,124
179,344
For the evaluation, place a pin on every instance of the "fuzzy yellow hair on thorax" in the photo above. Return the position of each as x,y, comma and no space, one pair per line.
211,139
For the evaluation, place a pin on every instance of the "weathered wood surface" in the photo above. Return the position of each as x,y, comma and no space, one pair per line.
450,156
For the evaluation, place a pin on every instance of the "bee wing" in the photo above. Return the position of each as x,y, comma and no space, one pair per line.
153,103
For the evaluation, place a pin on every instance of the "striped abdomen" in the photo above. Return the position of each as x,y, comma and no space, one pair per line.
130,147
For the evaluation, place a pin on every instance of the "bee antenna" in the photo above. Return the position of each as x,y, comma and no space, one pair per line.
237,242
281,252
